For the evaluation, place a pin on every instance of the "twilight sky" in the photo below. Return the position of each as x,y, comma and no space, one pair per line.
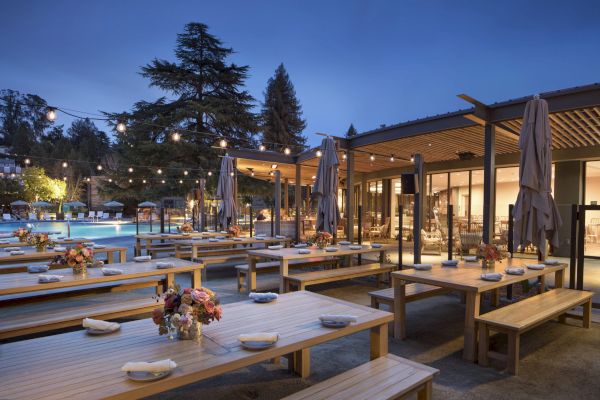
366,62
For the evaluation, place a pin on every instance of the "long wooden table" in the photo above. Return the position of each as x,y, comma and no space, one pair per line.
148,238
56,241
285,255
74,365
32,254
196,244
24,282
465,278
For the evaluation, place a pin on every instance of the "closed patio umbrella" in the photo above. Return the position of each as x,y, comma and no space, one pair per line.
226,192
326,187
17,203
536,217
113,204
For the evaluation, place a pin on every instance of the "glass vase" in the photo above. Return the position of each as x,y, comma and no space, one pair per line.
194,333
488,264
79,269
40,249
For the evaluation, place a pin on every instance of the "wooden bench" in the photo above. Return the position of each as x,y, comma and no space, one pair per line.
414,292
222,259
524,315
52,315
387,377
248,280
333,275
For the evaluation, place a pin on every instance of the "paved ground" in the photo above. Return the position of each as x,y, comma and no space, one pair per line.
558,361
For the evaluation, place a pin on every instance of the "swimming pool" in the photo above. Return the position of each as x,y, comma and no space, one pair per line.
90,230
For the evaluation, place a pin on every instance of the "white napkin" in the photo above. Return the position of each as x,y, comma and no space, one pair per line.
279,237
536,266
355,247
156,366
515,271
213,240
278,247
17,252
220,237
99,246
89,244
111,271
223,232
59,249
4,241
100,325
492,276
422,267
36,269
471,259
237,239
49,278
376,245
164,265
263,296
552,262
270,337
450,263
331,249
8,249
300,245
142,258
304,251
338,318
344,243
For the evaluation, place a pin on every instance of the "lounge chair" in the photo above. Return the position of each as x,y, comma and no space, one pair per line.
118,216
80,216
92,215
68,216
99,215
47,217
32,217
105,215
6,217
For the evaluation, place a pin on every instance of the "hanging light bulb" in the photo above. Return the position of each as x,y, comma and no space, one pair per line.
163,181
392,158
110,179
130,170
222,143
319,153
159,171
13,175
262,147
412,158
287,151
313,177
197,181
372,157
130,180
185,173
252,173
180,181
209,173
64,178
143,181
271,173
51,114
121,127
176,136
87,179
344,156
231,173
273,166
99,167
65,164
27,161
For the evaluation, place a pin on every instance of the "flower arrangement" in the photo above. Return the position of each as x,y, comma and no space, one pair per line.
39,240
22,234
186,227
78,257
186,310
234,230
489,254
322,239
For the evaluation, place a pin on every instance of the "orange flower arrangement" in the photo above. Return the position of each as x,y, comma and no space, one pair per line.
78,257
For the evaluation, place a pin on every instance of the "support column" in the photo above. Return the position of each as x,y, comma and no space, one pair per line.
307,198
202,211
277,202
350,196
364,195
489,183
298,199
418,207
569,178
286,196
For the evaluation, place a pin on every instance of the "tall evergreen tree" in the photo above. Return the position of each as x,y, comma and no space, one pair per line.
281,114
351,131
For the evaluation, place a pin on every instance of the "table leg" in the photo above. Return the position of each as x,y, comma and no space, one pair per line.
138,247
542,284
302,362
426,392
123,256
251,275
196,279
559,278
470,340
110,257
495,297
194,252
283,271
177,251
399,309
170,280
379,341
148,245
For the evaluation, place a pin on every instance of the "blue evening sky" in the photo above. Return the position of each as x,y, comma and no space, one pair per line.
366,62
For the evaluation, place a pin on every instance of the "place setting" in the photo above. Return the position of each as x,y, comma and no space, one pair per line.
258,340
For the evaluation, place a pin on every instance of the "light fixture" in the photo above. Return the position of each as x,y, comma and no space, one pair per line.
222,143
110,179
99,167
51,114
231,173
271,173
163,181
180,181
313,177
13,175
319,153
27,161
372,157
143,181
287,151
262,147
64,178
130,180
176,136
344,156
159,171
412,158
274,166
130,170
185,173
65,164
209,173
121,127
252,173
87,179
197,181
392,158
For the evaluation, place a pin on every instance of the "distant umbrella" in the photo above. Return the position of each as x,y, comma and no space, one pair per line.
326,187
74,204
147,204
41,204
19,203
113,204
226,192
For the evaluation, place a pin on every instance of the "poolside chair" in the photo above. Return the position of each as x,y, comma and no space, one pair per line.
80,216
68,216
105,215
32,217
99,215
118,216
92,215
47,217
6,217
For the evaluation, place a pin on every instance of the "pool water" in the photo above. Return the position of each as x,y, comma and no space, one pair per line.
89,230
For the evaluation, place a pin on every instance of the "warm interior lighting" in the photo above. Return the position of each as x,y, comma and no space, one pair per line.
176,136
372,157
274,166
392,158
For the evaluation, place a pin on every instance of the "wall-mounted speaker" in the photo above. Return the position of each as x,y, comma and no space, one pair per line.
409,184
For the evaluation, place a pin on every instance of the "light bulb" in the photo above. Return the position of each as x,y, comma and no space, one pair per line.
372,157
64,164
180,181
64,178
176,136
129,169
99,167
231,173
314,177
222,143
273,166
287,151
271,173
159,171
209,173
27,161
392,158
51,114
143,181
252,173
110,179
344,156
197,181
262,147
163,181
319,153
87,179
412,158
130,180
121,127
185,173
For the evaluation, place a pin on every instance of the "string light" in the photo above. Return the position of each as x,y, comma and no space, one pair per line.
314,177
252,173
143,181
130,180
65,164
209,173
262,147
287,151
185,173
64,178
319,153
159,171
372,157
87,179
27,161
180,181
51,114
412,158
99,167
344,156
110,179
274,166
130,170
121,127
392,158
222,143
197,181
163,181
176,136
231,173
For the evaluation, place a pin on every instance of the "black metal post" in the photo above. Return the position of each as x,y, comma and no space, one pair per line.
251,221
162,220
137,221
169,219
359,231
450,231
573,249
272,220
580,247
151,219
400,239
511,244
216,219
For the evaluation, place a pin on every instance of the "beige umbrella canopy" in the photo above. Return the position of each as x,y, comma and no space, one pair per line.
536,217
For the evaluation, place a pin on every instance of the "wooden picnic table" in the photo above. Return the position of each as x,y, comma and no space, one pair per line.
196,244
49,254
148,238
285,255
22,282
75,365
56,241
466,278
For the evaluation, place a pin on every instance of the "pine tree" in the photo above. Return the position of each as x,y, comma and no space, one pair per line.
351,131
281,115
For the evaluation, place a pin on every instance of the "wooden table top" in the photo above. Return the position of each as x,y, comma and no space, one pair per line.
292,253
21,282
56,241
467,276
32,254
75,365
229,242
163,236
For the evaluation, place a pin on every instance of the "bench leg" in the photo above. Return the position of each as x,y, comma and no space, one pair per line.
470,335
374,303
379,341
399,310
251,275
484,344
240,281
426,392
196,279
301,286
513,352
495,300
542,284
587,314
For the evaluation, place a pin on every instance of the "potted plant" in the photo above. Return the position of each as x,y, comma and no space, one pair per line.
234,230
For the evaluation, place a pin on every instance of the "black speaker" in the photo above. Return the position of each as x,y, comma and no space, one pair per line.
408,184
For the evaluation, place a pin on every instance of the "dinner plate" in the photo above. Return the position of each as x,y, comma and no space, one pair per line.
335,324
257,345
300,245
98,332
143,376
264,300
508,271
376,245
356,247
331,249
278,247
304,251
344,243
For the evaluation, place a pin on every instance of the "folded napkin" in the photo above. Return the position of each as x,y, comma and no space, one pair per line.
270,337
164,265
263,296
237,239
259,237
514,271
344,243
156,366
279,237
471,259
552,262
100,325
422,267
492,276
59,249
355,247
536,266
304,251
213,239
49,278
210,230
331,249
450,263
142,258
223,232
36,269
376,245
99,246
111,271
338,318
278,247
220,237
89,244
17,252
300,245
7,249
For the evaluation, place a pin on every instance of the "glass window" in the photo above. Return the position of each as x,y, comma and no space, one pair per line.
592,218
407,201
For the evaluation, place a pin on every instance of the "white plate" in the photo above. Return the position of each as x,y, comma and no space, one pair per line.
97,332
257,345
335,324
355,247
300,245
345,243
278,247
304,251
147,376
376,245
331,249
